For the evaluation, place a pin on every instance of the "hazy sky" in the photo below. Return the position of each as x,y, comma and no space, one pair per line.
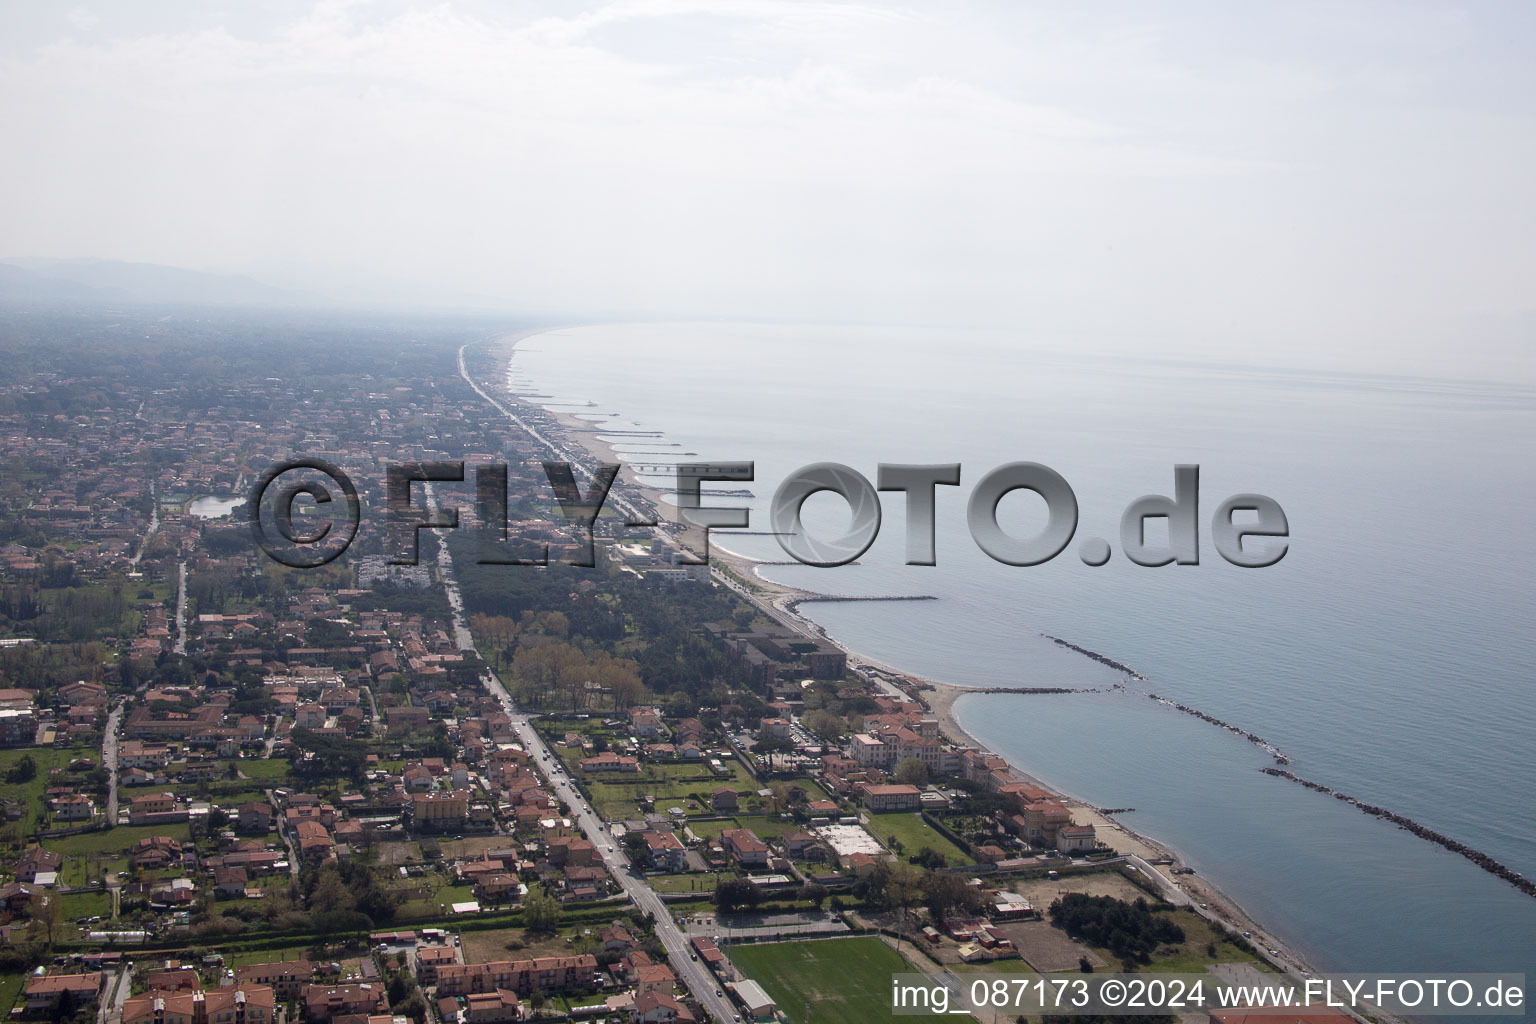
1337,181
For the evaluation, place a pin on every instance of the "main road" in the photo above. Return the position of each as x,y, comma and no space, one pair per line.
109,759
693,973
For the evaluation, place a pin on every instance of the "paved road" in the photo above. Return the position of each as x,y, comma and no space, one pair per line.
109,760
282,830
693,973
111,1009
181,609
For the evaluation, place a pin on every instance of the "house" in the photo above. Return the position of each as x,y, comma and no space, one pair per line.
37,860
646,722
287,977
69,991
74,807
255,816
498,1007
407,719
608,761
1072,838
654,978
660,1008
155,852
440,811
572,851
236,1004
498,888
229,881
309,716
744,847
666,852
725,800
324,1002
429,959
801,845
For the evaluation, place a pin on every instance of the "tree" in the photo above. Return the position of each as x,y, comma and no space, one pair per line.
944,892
813,894
45,911
823,724
635,846
541,912
735,894
903,888
911,771
24,770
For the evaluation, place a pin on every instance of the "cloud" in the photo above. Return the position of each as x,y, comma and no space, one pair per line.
1098,172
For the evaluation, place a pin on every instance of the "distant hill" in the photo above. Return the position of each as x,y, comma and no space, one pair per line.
93,281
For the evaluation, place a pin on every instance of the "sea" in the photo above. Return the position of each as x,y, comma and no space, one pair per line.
1389,655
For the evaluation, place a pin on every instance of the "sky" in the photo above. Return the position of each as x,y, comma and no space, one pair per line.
1338,183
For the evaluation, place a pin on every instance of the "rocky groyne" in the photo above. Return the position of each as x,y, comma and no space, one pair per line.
1477,857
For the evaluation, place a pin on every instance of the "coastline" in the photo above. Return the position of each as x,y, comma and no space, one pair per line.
781,602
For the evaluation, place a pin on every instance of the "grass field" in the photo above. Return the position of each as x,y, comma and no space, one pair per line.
31,792
119,839
1192,956
763,826
269,772
614,795
845,979
914,833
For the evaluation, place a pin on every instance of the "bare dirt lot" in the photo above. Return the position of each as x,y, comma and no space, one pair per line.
1043,892
1046,948
483,947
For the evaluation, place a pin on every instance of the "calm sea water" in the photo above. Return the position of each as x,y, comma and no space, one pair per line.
1389,655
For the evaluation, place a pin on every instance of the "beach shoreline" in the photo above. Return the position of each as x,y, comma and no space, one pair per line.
781,602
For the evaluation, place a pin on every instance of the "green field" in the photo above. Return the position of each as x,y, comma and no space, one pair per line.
273,771
914,833
845,979
614,795
120,839
762,826
31,792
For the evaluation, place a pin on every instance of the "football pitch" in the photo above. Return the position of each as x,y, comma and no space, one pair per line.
828,981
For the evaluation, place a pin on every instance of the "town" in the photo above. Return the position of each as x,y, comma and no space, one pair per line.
241,793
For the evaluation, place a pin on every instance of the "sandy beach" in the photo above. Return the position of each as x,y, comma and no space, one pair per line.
780,601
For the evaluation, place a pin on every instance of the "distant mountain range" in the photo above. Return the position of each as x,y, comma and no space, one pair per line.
96,281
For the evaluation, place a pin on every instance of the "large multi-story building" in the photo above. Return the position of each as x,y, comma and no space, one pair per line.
550,973
239,1004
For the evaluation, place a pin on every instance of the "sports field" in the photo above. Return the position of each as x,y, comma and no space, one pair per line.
836,980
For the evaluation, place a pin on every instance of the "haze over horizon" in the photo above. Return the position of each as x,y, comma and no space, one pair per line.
1331,185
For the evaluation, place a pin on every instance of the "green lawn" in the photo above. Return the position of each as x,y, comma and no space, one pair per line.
119,839
914,833
31,792
614,795
845,979
1191,955
10,991
76,905
765,827
274,771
